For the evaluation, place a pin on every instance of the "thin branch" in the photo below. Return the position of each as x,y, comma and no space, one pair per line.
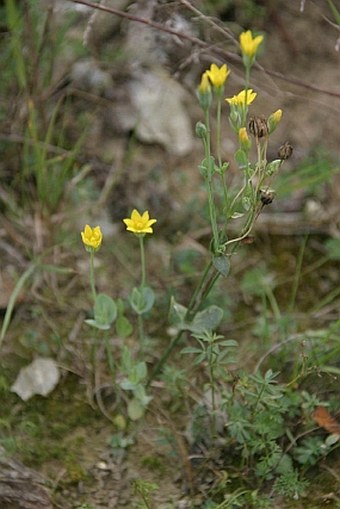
205,46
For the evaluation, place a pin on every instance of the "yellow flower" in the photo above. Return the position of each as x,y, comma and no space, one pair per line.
218,75
92,237
139,224
240,99
204,86
249,45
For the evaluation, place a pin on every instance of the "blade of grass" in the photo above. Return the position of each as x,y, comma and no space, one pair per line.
12,300
14,21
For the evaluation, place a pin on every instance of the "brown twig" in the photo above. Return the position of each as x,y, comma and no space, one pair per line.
205,46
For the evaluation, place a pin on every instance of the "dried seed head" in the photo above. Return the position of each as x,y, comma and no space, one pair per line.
258,126
267,196
285,151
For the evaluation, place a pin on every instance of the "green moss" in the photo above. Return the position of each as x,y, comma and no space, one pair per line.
45,429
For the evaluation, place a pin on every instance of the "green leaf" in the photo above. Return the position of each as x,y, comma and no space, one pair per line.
105,312
333,248
141,371
142,300
177,313
332,439
273,166
191,349
127,385
208,319
222,169
207,166
123,327
228,343
200,358
135,409
222,264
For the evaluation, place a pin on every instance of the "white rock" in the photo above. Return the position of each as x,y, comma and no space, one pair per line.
39,377
162,117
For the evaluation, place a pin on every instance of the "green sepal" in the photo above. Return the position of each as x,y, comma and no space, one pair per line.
241,158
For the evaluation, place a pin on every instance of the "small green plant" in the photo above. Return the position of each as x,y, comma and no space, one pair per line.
46,162
144,490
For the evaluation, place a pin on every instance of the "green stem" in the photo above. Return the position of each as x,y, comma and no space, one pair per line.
199,286
109,357
142,285
208,180
141,333
218,148
247,80
273,303
201,293
142,259
92,279
218,128
212,387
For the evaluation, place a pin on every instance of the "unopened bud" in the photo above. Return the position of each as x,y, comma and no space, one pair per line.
204,93
267,196
285,151
273,120
258,126
201,130
243,138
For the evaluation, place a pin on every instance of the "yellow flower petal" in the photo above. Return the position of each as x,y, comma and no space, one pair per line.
249,45
92,237
240,99
218,75
204,86
138,223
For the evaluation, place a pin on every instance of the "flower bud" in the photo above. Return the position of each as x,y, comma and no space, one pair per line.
258,126
204,93
267,196
285,151
201,130
243,139
273,120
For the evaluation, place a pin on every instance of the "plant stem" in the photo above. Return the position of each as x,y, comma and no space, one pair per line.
142,285
218,149
208,180
218,127
202,290
212,387
92,283
141,333
109,357
142,259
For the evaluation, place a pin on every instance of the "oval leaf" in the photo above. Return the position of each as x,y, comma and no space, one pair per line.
222,264
135,410
208,319
142,299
